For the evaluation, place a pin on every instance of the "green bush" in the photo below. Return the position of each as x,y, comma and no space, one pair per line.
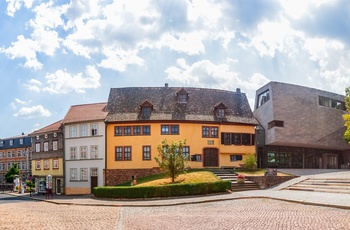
162,191
250,162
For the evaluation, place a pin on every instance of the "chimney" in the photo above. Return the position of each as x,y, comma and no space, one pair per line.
166,85
238,90
22,133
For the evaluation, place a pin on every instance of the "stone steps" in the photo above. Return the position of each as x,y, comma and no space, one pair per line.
334,185
235,187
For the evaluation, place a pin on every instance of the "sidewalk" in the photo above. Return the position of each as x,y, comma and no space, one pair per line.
335,200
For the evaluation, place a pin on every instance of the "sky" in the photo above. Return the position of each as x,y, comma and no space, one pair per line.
59,53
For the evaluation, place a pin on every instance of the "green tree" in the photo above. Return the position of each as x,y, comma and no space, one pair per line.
171,160
250,162
346,116
11,173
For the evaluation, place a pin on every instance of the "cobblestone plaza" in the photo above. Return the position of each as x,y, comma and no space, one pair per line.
19,213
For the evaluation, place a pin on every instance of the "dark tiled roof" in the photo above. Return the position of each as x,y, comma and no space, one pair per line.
50,128
124,104
86,112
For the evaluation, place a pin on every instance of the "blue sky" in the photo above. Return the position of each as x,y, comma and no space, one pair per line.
54,54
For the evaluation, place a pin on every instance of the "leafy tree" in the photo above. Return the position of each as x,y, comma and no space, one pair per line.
171,160
346,116
11,173
250,162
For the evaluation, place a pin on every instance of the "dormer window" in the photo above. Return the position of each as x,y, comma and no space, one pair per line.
146,109
182,96
221,113
220,110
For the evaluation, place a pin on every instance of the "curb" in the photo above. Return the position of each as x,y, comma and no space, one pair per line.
242,197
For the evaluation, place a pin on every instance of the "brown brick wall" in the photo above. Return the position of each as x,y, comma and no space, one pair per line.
117,176
306,123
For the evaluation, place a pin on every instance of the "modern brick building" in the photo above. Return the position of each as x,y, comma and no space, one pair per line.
301,127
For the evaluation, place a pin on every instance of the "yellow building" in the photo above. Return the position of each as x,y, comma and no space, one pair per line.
218,126
47,158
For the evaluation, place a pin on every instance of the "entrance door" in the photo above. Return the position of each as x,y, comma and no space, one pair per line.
93,182
210,157
332,162
58,186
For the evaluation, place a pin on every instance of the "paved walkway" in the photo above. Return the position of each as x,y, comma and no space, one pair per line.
314,198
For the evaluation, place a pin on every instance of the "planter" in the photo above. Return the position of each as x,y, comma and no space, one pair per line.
240,180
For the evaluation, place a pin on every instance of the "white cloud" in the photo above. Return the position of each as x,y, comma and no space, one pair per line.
19,102
62,82
23,48
14,5
33,112
298,8
207,74
33,85
274,36
119,59
190,43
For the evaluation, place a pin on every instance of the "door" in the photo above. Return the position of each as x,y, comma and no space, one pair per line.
58,186
93,182
210,157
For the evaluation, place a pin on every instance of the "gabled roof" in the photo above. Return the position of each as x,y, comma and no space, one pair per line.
123,104
54,127
86,112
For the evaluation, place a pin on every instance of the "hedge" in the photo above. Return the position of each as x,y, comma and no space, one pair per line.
162,191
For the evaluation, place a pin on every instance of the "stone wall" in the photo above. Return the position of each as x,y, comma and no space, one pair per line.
118,176
268,181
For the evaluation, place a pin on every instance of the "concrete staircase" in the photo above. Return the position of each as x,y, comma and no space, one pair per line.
336,185
225,174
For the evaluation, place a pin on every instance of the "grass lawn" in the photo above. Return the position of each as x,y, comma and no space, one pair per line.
189,177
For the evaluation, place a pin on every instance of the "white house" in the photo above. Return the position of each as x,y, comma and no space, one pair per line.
84,133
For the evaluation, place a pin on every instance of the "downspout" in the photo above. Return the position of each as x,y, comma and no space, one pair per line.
105,171
64,159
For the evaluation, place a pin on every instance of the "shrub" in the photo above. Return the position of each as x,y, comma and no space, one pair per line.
250,162
162,191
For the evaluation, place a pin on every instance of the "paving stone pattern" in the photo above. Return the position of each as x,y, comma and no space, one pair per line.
234,214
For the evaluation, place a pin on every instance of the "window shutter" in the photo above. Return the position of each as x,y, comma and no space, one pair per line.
222,138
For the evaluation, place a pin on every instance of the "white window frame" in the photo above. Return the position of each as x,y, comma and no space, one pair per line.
84,174
83,131
46,146
46,164
54,145
94,151
73,174
72,131
73,153
21,141
37,147
94,129
83,152
11,142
